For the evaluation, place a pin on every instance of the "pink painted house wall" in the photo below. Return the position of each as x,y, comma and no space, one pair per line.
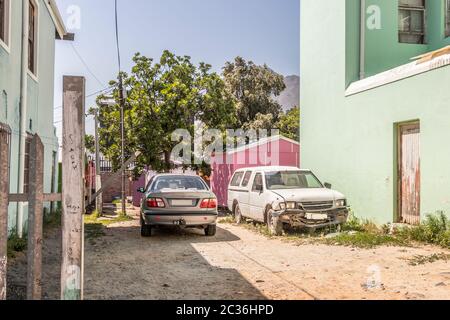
254,155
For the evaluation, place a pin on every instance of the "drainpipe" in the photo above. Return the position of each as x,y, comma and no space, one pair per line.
362,42
23,113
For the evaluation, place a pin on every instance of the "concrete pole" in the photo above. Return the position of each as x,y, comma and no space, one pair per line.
98,177
73,188
4,194
35,220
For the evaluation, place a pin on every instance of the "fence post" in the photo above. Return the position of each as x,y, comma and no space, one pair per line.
73,188
4,194
35,220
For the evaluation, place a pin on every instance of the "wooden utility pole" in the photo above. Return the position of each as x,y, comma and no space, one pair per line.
4,192
122,129
73,188
35,220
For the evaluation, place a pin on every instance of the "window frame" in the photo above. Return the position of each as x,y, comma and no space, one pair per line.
447,19
33,73
240,179
5,42
244,182
423,35
258,174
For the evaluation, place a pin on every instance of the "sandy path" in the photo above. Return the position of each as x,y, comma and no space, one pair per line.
240,264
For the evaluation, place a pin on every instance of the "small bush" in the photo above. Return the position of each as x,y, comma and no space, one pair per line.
434,230
16,244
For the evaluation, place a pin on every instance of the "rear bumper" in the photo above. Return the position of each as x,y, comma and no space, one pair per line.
187,220
297,218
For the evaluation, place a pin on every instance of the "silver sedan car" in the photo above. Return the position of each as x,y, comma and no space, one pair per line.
178,200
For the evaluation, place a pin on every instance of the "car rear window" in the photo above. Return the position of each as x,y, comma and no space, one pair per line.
246,180
179,183
237,178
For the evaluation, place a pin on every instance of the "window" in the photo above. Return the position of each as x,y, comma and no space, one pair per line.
258,183
178,183
4,21
26,176
411,21
32,37
447,18
246,180
237,178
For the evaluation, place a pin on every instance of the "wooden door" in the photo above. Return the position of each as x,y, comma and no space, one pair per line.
409,173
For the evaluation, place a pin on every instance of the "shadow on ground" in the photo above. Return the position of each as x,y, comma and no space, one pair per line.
123,265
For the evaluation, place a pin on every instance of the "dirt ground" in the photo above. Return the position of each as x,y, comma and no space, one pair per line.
239,264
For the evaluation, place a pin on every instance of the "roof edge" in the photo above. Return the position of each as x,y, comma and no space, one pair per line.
56,17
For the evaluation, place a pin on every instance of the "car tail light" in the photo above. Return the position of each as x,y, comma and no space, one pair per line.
155,203
208,204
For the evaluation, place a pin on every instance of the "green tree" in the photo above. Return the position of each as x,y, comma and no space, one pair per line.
289,124
254,89
162,97
89,142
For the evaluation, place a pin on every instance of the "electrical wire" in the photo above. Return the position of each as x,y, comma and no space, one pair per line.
117,36
86,65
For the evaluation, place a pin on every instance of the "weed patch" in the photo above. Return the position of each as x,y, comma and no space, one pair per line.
421,260
16,245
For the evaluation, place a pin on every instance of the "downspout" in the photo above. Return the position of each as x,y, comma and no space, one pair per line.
23,113
362,42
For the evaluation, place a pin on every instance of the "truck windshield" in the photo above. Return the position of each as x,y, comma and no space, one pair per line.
292,180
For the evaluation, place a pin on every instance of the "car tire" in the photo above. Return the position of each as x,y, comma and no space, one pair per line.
237,214
146,231
210,230
274,224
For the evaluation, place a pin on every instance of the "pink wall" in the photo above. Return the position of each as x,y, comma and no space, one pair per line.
257,156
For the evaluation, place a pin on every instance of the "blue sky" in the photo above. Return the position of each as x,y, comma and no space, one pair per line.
213,31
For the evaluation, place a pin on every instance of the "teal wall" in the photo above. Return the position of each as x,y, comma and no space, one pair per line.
383,51
350,141
39,95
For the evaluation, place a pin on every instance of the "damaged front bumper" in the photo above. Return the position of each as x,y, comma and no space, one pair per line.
300,218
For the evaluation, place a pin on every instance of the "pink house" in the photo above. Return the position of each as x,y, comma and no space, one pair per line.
273,151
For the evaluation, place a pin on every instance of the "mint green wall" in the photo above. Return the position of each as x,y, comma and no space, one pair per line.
349,141
383,51
39,94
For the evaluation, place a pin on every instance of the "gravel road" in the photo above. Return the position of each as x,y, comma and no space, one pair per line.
237,264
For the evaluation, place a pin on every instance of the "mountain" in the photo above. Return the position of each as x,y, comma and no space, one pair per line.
291,96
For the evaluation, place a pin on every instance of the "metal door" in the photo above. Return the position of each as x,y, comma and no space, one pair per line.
409,173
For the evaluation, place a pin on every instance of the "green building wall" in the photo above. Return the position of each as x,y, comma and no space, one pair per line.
39,97
351,141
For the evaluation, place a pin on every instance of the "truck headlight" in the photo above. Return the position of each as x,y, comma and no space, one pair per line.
340,203
291,205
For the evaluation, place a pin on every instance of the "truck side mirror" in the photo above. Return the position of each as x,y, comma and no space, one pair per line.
141,190
327,185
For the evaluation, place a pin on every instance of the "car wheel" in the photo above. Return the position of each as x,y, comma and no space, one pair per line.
210,230
237,215
274,224
146,231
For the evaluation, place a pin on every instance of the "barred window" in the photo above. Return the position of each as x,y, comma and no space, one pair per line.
412,21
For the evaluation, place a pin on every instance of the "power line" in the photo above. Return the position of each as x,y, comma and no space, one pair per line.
117,36
86,65
106,90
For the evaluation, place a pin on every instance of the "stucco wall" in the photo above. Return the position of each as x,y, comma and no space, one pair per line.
350,142
39,95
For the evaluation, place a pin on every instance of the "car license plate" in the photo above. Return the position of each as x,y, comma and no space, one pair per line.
316,216
182,203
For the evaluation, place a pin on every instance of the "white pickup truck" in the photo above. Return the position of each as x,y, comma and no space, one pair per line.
280,196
